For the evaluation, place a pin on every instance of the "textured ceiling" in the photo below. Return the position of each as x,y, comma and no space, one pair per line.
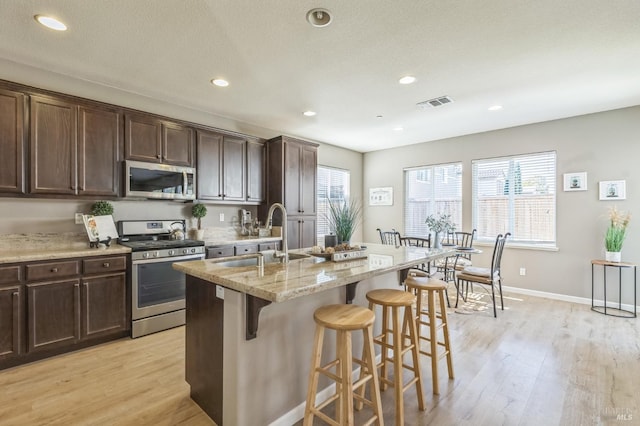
541,60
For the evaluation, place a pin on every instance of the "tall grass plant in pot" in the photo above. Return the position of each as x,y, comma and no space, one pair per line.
615,235
343,217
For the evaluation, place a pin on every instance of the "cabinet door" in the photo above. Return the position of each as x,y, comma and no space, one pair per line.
308,230
53,314
209,178
294,233
53,143
98,151
256,157
143,138
234,169
104,305
308,173
292,182
177,144
10,321
12,139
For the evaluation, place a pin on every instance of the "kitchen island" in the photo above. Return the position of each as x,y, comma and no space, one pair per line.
250,330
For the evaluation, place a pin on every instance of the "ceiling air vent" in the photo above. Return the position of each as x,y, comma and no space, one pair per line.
435,102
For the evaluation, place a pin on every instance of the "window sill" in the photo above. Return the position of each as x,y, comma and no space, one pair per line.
518,246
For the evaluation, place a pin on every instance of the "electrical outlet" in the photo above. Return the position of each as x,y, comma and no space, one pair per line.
221,217
78,218
220,292
523,271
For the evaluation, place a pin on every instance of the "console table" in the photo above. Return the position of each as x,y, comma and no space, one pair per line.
608,310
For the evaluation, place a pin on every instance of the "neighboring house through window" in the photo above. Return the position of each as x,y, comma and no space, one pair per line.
431,190
333,184
516,194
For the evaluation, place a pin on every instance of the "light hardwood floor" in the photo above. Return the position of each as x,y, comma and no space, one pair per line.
541,362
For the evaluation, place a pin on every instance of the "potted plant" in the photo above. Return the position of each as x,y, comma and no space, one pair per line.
439,224
101,208
199,211
343,217
614,237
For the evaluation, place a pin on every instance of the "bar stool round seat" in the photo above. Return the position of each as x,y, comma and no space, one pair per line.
429,317
344,319
394,338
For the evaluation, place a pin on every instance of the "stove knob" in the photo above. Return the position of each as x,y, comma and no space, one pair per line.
156,253
193,250
172,252
145,255
185,251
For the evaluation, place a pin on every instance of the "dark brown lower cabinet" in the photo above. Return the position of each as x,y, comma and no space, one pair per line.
104,305
301,232
10,321
54,314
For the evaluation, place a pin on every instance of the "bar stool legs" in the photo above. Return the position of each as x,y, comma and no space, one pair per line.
434,320
393,300
344,319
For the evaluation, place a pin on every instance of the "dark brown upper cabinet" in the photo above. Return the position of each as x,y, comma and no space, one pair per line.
222,170
12,142
153,140
256,166
74,149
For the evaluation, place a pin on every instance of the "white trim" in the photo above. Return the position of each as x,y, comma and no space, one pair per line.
565,298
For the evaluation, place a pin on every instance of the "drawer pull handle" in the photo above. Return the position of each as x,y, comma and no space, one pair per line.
54,269
106,264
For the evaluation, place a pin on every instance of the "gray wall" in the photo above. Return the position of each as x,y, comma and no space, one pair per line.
605,145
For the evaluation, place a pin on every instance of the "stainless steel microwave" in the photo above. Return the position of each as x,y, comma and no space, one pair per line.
151,180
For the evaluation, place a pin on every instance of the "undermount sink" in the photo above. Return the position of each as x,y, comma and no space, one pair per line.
253,259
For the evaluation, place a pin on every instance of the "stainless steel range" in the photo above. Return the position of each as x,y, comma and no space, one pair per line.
158,291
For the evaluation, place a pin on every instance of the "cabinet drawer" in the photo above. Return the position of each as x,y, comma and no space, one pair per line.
39,271
246,249
219,251
268,246
108,264
10,274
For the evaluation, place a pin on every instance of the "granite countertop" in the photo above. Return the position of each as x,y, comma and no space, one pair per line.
32,247
278,282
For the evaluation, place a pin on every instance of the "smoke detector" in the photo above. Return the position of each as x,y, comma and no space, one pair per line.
435,102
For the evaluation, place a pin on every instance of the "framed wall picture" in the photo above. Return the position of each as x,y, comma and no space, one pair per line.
575,181
613,190
381,196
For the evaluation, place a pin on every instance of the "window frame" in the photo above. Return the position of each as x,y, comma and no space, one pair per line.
512,213
320,202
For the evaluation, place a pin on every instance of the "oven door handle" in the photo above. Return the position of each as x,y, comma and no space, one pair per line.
170,259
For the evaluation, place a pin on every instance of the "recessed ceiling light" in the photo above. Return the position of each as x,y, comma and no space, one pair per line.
495,108
50,22
398,129
220,82
319,17
309,113
378,116
407,79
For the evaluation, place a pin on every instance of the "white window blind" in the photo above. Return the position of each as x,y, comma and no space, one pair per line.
333,184
516,194
431,190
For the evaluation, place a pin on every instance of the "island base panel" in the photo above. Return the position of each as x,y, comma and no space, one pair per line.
204,346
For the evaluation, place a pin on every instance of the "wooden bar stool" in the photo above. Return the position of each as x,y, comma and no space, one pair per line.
429,317
344,319
393,301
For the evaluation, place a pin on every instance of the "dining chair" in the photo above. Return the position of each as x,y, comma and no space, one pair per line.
448,266
389,237
418,242
484,276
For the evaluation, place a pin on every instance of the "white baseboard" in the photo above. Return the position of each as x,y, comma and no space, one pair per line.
564,297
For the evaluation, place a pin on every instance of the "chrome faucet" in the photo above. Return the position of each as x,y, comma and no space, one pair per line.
284,254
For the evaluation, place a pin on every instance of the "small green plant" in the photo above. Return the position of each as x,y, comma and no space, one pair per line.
199,211
101,208
343,217
614,237
440,223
